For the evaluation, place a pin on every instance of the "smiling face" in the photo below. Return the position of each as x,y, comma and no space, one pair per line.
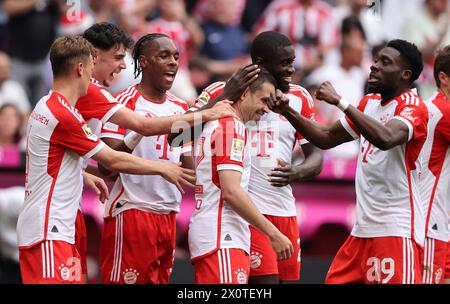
159,63
109,63
282,67
254,105
387,71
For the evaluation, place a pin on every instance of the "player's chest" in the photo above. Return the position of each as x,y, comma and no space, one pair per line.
272,129
381,113
154,109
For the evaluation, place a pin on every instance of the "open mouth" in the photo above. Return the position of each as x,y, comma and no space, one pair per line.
170,76
373,79
287,79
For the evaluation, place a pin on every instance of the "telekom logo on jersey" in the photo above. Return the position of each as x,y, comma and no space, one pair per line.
262,139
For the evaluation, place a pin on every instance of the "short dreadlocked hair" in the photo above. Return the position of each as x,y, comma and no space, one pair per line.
139,48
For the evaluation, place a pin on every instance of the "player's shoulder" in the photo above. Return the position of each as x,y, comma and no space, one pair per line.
94,86
177,101
62,110
299,93
215,87
371,97
96,91
410,98
231,124
441,102
210,92
297,90
130,94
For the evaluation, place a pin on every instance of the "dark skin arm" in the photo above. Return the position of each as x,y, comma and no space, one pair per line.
234,88
384,137
286,173
323,137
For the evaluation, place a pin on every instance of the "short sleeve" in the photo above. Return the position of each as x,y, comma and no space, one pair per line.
348,125
307,110
228,145
74,134
414,116
209,93
98,103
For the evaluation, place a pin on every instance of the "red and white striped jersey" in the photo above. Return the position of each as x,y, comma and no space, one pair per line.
214,224
435,177
388,200
271,138
98,105
146,192
308,27
57,136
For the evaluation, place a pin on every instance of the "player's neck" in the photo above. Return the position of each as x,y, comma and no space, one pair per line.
66,88
152,93
240,114
387,96
446,91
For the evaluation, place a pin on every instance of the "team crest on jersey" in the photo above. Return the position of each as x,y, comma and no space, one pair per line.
89,133
438,275
203,98
408,114
237,149
255,259
241,276
130,276
108,96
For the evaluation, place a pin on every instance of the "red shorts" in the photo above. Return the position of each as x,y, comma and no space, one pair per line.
81,240
138,248
263,259
433,256
225,266
382,260
50,262
447,263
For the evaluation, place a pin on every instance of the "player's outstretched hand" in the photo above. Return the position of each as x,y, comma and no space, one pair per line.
282,175
282,246
278,102
221,109
98,185
327,93
240,80
178,175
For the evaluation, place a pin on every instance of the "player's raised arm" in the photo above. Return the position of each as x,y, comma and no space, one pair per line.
324,137
162,125
233,89
385,137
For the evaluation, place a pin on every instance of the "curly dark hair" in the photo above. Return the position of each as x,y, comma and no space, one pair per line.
411,56
106,35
